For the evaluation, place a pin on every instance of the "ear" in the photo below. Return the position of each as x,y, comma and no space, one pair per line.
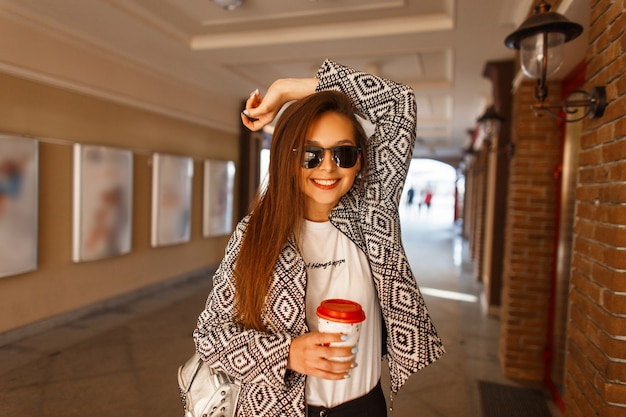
357,172
359,162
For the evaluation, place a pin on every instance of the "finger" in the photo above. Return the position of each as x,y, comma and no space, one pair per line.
250,118
253,123
335,376
247,122
343,352
253,101
325,339
255,98
337,366
329,369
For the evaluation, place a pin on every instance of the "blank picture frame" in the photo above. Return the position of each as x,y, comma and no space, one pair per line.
171,199
218,196
102,202
19,200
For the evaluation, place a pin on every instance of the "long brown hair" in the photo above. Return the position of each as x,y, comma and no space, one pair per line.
278,214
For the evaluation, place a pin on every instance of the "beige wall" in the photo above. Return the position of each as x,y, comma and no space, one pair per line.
60,118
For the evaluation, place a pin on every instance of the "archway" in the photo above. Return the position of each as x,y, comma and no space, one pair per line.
432,185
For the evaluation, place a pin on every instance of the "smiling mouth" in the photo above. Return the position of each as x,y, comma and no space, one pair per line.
325,183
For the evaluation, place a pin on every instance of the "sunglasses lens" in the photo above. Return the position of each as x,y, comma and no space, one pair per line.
312,156
345,156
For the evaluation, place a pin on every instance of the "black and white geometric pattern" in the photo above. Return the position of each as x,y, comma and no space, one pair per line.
368,215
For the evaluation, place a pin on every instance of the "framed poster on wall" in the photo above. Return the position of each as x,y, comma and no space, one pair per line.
171,199
19,189
217,211
102,210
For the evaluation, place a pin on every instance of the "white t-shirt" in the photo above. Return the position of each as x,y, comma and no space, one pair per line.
337,268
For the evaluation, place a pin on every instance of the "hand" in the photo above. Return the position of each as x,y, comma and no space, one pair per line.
309,353
261,110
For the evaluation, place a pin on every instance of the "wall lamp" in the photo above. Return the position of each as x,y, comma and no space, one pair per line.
540,40
469,148
490,121
489,127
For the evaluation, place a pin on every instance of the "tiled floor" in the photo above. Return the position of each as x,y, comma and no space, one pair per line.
122,362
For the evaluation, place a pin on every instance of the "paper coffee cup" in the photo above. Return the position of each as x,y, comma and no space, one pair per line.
341,316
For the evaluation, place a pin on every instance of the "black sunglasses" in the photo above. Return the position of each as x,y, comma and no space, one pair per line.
345,156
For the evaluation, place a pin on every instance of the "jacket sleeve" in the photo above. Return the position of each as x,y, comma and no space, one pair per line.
369,215
391,108
247,355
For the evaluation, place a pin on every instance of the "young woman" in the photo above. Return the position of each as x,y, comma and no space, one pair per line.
327,226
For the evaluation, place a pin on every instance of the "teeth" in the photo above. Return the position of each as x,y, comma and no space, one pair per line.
325,182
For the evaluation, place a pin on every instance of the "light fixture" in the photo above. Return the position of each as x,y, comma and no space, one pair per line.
540,40
489,124
228,4
469,150
490,121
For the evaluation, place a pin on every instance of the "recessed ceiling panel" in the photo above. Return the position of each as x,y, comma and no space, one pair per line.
192,53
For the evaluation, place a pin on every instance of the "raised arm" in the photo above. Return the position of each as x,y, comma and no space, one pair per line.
391,107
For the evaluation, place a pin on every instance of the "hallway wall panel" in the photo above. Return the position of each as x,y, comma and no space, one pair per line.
59,119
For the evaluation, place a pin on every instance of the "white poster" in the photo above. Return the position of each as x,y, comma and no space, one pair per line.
103,193
219,184
171,199
19,173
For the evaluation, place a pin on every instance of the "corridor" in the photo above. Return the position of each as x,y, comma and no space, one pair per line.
122,362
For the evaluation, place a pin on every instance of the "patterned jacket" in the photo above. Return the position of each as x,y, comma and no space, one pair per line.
368,215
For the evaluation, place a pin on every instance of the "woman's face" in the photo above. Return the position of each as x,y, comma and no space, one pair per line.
326,183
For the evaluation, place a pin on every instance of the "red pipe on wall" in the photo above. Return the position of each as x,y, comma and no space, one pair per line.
549,348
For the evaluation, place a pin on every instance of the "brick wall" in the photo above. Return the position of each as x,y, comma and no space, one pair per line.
595,382
529,236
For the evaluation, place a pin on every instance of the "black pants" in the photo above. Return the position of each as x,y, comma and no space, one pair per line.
371,404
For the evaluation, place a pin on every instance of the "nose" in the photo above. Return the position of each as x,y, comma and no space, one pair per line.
328,163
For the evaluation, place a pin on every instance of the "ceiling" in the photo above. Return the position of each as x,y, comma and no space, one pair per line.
193,60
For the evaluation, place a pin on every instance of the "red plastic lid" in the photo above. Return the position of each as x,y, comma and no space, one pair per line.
343,311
